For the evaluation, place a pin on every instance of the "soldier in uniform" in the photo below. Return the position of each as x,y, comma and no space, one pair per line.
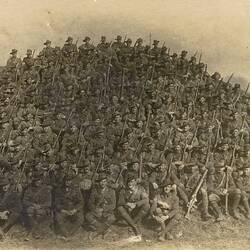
133,204
68,208
101,206
165,211
37,206
13,65
103,45
10,206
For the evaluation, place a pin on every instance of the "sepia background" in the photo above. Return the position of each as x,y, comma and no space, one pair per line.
218,28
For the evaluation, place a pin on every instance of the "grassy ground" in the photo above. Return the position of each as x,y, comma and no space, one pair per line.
229,234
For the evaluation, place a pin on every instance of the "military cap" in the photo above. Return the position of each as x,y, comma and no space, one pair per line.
13,51
123,141
116,114
47,42
147,141
129,40
219,164
103,37
184,52
139,40
100,130
4,181
156,42
118,38
236,86
69,39
174,55
86,39
101,177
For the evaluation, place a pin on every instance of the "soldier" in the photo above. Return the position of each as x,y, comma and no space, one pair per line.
101,207
28,61
10,206
48,51
165,210
37,207
86,51
182,64
118,44
133,204
217,190
68,208
103,45
13,65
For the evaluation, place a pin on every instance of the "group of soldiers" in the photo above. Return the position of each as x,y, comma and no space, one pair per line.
120,132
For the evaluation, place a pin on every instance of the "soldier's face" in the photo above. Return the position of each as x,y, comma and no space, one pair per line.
103,183
167,189
125,146
135,166
132,185
6,188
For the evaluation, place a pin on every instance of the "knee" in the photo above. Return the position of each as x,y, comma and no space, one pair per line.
237,192
145,206
89,217
213,198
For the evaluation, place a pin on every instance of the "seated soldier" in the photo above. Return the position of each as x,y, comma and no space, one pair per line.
101,204
218,191
242,181
68,208
37,207
133,204
165,210
10,206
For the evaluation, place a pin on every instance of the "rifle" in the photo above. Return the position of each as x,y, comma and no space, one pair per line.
150,40
220,82
24,166
194,195
227,178
230,78
247,89
140,169
100,162
166,142
145,130
122,82
59,134
200,58
193,200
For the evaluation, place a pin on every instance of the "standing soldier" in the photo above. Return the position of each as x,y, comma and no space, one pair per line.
103,45
48,51
13,65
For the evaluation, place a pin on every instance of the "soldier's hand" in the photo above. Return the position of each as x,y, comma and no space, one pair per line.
4,215
155,185
224,191
131,205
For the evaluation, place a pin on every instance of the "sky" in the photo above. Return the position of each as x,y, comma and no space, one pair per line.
219,29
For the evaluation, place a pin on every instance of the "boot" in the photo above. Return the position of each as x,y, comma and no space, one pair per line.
218,211
236,201
205,214
246,206
130,221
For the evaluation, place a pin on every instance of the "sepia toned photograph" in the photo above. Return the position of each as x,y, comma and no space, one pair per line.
125,124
